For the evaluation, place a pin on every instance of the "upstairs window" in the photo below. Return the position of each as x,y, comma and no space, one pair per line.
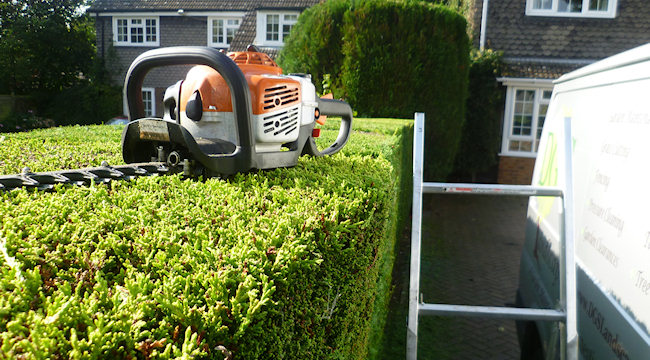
289,21
273,27
222,30
136,31
572,8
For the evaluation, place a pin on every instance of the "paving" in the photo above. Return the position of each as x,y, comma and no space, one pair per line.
471,247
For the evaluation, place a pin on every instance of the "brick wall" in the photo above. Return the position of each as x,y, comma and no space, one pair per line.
515,170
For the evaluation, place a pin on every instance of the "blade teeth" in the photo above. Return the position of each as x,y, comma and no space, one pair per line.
102,174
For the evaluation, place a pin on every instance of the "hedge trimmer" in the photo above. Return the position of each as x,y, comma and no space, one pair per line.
233,113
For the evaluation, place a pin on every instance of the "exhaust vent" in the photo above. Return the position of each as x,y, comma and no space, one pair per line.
279,96
281,123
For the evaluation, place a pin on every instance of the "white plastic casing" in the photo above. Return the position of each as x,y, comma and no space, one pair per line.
308,93
271,129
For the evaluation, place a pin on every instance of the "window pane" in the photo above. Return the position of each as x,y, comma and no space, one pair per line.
523,112
147,100
136,21
286,29
520,95
513,146
543,4
122,30
570,6
234,22
217,31
519,107
137,35
230,34
598,5
527,126
546,94
272,27
529,95
151,30
528,107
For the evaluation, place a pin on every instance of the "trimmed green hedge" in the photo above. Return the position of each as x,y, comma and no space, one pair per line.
282,264
316,45
390,58
481,138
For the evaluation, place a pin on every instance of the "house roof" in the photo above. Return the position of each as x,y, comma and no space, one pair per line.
205,5
518,35
540,68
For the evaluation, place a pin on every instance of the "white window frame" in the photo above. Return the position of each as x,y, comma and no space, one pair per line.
610,13
117,41
151,91
225,17
260,38
537,85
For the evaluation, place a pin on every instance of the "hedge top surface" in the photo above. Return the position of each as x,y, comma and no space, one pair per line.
72,147
273,263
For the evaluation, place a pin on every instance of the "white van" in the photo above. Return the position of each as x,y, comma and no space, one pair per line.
608,104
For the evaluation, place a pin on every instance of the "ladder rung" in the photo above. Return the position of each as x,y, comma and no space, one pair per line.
490,189
492,312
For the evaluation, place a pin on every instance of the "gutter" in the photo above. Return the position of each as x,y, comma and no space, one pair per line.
484,13
554,61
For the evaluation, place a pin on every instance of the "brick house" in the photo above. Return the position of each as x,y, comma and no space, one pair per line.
127,28
540,41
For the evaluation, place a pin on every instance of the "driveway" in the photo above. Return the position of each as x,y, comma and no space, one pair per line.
470,255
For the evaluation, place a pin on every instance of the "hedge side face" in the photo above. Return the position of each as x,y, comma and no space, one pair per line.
277,264
481,138
405,57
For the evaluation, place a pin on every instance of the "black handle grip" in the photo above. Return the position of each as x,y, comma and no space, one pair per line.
330,107
190,55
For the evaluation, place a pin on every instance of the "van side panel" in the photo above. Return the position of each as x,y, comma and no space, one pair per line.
610,115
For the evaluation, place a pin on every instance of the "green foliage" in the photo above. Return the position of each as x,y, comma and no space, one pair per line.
48,53
462,6
481,133
18,121
60,148
45,45
397,57
403,57
315,44
281,264
89,102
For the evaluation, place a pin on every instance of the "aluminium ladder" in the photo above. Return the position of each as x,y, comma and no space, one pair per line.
566,315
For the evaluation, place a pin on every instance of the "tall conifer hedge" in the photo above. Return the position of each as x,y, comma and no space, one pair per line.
398,57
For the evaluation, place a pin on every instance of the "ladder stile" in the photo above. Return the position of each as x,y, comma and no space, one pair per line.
414,284
568,290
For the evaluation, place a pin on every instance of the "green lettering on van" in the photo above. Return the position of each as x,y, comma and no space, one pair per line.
548,176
